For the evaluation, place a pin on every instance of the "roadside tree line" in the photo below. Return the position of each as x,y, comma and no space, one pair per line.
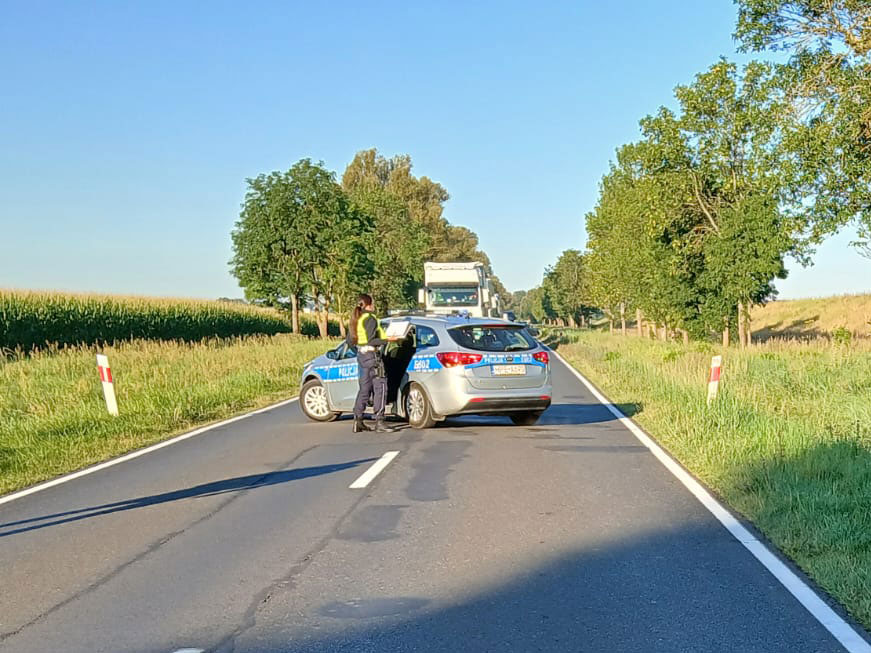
304,238
758,162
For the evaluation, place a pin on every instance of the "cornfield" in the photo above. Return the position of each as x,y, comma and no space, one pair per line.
36,320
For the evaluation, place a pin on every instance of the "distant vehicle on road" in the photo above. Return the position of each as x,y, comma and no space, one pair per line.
446,365
461,287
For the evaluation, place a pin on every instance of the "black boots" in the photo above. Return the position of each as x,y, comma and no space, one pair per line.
380,426
359,426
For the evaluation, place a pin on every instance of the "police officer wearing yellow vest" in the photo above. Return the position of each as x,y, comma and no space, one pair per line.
366,334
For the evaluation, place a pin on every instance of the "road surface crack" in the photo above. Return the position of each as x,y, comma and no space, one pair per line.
249,620
164,539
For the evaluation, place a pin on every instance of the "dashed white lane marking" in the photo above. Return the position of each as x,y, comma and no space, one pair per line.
136,454
831,621
376,468
190,650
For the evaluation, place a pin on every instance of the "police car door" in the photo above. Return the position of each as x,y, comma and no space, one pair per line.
343,381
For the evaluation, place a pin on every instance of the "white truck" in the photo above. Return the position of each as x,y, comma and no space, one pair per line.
458,288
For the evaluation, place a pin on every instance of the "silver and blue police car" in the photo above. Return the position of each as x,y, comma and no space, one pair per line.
446,365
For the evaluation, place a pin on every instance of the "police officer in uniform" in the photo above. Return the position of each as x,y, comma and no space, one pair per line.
366,334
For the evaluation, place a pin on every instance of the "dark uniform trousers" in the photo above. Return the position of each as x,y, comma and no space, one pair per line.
372,382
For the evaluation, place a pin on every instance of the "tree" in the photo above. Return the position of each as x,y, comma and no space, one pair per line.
695,219
410,227
296,237
535,306
829,79
272,244
337,253
396,248
744,183
726,157
567,285
638,238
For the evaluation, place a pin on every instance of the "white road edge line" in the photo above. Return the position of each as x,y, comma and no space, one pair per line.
140,452
831,621
190,650
376,468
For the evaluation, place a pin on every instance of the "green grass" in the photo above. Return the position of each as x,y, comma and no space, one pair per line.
53,417
787,443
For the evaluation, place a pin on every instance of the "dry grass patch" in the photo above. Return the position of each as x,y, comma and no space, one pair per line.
813,318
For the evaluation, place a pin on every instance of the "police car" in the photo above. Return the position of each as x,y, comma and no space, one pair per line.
446,365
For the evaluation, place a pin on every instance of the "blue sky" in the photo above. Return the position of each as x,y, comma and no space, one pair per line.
127,129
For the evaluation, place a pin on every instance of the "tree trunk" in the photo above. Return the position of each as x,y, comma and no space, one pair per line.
663,333
572,323
323,318
638,318
623,318
741,339
583,321
686,336
611,325
294,313
726,335
340,313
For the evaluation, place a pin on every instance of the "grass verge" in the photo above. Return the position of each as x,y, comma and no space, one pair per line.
787,443
53,417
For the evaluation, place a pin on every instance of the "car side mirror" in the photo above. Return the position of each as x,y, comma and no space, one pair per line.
332,354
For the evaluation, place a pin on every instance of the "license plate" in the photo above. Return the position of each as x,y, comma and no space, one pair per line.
509,370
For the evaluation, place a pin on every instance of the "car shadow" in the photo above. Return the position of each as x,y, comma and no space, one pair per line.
557,415
238,484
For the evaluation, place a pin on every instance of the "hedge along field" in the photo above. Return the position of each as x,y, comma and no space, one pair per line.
53,417
787,443
34,320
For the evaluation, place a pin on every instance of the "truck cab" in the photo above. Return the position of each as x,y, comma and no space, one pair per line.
461,287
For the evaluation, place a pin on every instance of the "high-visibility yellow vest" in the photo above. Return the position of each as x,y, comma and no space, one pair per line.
362,338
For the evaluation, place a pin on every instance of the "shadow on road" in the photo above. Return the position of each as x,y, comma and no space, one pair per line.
238,484
685,588
557,415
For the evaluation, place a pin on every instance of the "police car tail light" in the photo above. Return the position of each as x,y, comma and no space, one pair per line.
541,357
454,358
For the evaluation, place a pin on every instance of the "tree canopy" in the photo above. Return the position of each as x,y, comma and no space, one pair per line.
828,78
304,239
755,163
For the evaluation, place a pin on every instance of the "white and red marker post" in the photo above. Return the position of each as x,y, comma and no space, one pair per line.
108,384
714,379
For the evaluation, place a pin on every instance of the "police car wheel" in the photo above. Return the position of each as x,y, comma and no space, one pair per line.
313,401
526,418
417,408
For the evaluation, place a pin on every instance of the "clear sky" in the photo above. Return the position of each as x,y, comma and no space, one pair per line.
127,129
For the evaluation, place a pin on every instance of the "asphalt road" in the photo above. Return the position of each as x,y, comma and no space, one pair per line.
479,536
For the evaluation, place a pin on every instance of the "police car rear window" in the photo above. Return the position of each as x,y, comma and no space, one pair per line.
492,338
